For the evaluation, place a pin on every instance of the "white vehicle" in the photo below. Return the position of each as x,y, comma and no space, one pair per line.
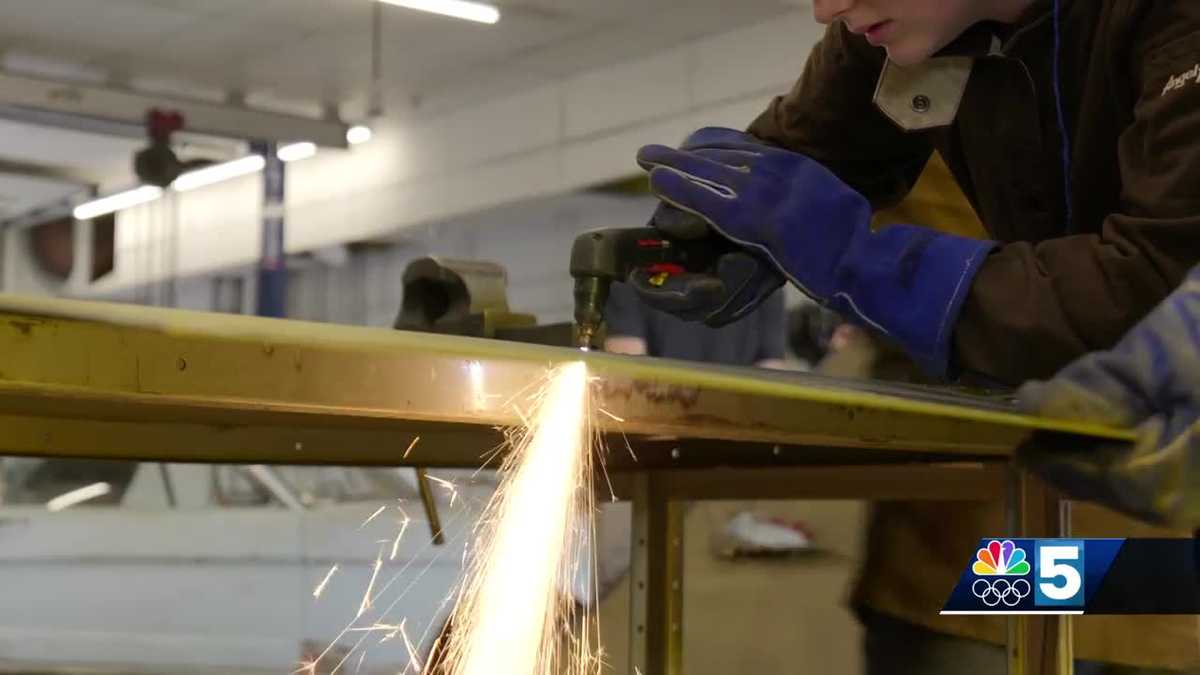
127,567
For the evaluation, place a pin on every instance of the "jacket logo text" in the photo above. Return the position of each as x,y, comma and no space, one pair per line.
1181,80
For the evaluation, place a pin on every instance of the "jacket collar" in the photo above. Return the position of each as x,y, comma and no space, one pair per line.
993,37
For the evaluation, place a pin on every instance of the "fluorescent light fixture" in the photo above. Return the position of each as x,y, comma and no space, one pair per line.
459,9
290,153
117,202
358,133
219,172
78,496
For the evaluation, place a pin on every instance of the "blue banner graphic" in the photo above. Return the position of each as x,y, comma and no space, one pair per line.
1077,576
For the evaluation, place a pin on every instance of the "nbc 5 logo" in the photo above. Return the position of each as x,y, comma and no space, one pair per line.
1000,568
1058,564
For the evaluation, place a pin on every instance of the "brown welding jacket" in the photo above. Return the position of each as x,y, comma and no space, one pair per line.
1056,287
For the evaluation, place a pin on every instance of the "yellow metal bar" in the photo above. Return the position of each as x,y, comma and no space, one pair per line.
1017,629
1035,642
429,503
1066,623
640,566
94,379
670,514
971,482
656,579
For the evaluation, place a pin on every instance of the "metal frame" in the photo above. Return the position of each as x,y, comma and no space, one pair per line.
1041,644
656,578
97,380
1037,645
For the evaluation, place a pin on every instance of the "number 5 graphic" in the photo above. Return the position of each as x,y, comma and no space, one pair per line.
1059,573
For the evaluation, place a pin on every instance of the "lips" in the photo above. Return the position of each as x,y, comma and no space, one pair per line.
863,29
878,33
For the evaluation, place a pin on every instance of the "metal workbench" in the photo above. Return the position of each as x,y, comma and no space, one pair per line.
81,379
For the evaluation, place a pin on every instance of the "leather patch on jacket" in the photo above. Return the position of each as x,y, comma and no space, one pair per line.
925,96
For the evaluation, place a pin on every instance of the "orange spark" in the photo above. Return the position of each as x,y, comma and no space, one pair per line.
513,606
413,660
619,419
372,516
396,543
375,627
447,485
321,586
366,601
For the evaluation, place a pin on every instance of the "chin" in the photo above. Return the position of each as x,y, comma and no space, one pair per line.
908,54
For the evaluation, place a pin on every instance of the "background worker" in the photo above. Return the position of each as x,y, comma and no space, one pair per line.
1073,129
1151,381
636,328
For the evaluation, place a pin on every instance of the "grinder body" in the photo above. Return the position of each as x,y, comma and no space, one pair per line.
601,257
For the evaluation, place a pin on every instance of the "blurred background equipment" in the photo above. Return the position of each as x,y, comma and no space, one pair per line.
157,164
810,333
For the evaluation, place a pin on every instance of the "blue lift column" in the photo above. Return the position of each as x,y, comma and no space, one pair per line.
272,265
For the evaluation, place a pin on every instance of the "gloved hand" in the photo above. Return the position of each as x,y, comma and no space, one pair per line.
906,282
738,282
1151,381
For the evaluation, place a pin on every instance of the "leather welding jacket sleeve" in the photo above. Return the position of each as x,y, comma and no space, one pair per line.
1044,297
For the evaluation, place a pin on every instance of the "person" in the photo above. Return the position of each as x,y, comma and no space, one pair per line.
1072,127
635,328
1149,381
813,332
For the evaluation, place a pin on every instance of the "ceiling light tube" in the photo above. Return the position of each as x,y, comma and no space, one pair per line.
459,9
117,202
219,172
357,134
295,151
86,493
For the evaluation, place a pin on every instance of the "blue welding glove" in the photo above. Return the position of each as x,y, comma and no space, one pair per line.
1150,381
738,282
906,282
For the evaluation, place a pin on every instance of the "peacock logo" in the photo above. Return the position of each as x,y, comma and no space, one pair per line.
1000,559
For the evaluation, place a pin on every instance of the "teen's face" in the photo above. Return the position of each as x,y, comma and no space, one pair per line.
910,30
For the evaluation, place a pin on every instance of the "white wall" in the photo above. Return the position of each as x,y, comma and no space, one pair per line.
422,168
530,239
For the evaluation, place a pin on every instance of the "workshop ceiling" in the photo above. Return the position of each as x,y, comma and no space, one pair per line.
319,50
301,55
